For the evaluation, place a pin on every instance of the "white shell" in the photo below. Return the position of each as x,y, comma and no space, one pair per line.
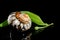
14,21
11,17
21,25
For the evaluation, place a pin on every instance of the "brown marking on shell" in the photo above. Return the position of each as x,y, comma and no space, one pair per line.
21,19
17,14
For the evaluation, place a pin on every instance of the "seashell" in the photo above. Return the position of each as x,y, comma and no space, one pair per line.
21,21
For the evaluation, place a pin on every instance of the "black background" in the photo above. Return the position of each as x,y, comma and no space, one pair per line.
45,9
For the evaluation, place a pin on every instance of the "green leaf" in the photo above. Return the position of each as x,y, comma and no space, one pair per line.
40,28
35,18
3,24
